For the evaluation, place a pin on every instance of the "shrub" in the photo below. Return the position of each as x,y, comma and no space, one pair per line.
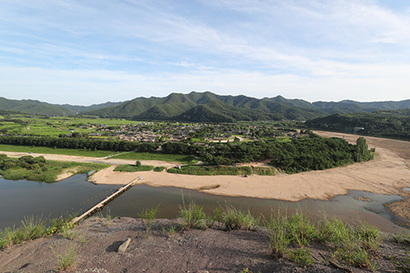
133,168
159,169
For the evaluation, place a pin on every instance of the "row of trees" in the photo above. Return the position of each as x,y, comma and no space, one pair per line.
79,143
301,154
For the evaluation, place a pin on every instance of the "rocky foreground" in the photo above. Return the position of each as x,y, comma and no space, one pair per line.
97,245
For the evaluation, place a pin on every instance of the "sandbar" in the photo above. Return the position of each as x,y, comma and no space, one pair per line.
388,173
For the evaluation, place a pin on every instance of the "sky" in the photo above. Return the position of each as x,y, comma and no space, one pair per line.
91,51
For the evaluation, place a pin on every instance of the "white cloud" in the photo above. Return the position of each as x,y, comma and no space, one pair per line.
94,86
110,50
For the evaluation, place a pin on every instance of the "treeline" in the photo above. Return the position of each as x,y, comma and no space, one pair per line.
302,154
79,143
311,152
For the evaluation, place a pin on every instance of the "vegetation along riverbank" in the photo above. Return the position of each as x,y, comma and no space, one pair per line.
40,169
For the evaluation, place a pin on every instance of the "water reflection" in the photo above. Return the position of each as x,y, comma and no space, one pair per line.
26,198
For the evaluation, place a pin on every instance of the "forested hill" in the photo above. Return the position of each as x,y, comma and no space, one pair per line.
393,123
349,106
35,107
204,107
210,107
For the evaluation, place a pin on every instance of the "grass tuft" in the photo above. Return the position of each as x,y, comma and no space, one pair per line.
68,257
148,216
301,256
193,216
235,219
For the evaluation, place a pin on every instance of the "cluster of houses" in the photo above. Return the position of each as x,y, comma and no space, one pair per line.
150,132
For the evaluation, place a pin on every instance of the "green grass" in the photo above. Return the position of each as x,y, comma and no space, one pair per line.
148,216
222,170
68,258
301,256
134,168
59,151
54,126
32,228
183,159
235,219
350,245
50,171
159,169
193,216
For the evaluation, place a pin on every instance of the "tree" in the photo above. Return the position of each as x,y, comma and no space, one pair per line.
362,150
138,163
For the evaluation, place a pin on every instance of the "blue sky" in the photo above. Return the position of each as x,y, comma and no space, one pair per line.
93,51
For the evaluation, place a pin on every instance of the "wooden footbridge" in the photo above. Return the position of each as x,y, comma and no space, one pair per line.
104,202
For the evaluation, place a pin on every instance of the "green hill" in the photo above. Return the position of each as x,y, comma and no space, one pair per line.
204,106
178,106
34,107
390,123
349,106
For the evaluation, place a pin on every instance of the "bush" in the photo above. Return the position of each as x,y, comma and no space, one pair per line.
159,169
133,168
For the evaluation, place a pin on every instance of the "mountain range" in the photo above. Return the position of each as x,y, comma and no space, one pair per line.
204,107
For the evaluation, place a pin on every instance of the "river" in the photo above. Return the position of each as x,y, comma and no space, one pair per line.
22,198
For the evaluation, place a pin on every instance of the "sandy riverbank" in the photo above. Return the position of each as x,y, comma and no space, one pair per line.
387,174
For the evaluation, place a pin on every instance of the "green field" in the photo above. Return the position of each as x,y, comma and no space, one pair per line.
46,150
55,126
183,159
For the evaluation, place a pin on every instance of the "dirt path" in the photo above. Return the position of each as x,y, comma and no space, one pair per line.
386,174
86,159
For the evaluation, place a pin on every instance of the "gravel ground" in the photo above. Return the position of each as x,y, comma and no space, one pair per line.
210,250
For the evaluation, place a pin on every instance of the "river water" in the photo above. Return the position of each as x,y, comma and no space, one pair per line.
22,198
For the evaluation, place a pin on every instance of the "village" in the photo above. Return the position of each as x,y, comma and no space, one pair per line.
196,132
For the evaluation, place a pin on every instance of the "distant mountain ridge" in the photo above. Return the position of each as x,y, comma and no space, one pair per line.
208,106
35,107
205,107
350,106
